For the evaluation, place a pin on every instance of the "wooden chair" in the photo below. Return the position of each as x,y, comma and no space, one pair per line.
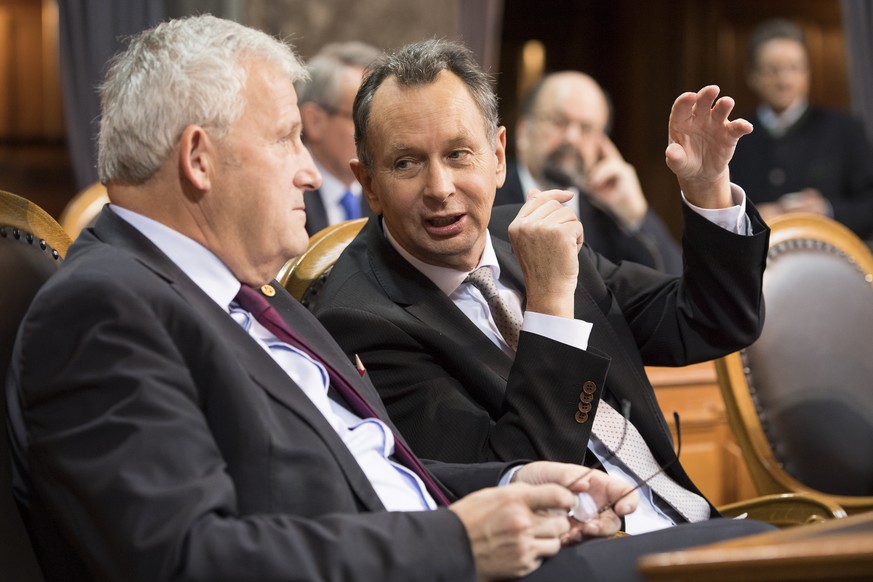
304,275
32,246
84,207
800,399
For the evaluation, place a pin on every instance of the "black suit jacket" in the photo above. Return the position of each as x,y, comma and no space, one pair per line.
825,149
316,215
458,397
154,439
651,245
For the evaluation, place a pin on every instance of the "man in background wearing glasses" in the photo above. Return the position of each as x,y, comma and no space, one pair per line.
802,158
326,108
562,142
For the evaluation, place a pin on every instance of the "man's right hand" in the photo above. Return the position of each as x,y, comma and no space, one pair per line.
547,237
513,528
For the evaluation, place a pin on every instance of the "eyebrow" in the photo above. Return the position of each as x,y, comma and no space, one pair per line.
461,139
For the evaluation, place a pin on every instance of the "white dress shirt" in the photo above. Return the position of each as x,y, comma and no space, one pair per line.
369,440
648,516
779,123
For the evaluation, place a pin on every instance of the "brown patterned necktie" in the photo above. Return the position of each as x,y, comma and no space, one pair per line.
625,441
508,324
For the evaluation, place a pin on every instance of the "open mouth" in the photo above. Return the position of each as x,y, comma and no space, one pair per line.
445,226
443,221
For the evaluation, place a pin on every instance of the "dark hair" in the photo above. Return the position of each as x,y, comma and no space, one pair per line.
774,29
419,64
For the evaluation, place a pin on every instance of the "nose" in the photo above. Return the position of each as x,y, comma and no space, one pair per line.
440,184
307,176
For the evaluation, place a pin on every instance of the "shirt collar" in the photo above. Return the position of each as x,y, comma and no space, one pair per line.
198,263
780,122
332,189
447,279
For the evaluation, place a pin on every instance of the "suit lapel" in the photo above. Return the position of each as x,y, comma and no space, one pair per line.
261,368
410,289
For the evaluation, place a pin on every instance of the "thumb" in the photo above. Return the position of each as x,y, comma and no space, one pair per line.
676,158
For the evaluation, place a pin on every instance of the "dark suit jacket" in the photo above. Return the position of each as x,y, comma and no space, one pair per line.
457,397
824,149
316,215
154,439
652,245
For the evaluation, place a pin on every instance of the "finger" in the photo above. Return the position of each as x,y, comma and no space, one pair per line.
550,211
549,496
545,195
676,158
705,100
722,108
545,547
683,106
740,127
604,172
580,479
606,524
552,524
627,504
607,149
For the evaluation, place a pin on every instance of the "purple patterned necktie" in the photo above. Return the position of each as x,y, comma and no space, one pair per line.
252,301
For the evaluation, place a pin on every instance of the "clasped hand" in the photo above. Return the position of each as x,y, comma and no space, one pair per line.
547,237
513,529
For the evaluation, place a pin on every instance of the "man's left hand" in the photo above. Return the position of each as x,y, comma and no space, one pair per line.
702,142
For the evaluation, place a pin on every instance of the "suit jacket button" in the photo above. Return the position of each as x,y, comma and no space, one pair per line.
589,387
584,407
586,397
581,417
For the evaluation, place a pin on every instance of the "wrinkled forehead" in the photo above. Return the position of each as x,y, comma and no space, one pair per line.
399,105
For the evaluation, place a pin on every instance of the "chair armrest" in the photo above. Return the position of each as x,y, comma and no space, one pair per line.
786,509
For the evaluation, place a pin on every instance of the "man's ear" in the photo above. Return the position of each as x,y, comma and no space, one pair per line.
197,157
500,152
362,174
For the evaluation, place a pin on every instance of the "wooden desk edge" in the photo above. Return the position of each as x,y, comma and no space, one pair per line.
812,552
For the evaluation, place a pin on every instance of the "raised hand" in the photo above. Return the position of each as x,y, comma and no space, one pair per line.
702,142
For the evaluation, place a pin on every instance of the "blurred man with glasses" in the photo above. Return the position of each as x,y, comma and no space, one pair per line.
801,158
562,142
326,108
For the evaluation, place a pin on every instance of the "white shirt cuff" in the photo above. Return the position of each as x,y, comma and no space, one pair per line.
573,332
732,218
507,477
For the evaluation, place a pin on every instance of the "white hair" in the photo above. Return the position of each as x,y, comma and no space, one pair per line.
182,72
